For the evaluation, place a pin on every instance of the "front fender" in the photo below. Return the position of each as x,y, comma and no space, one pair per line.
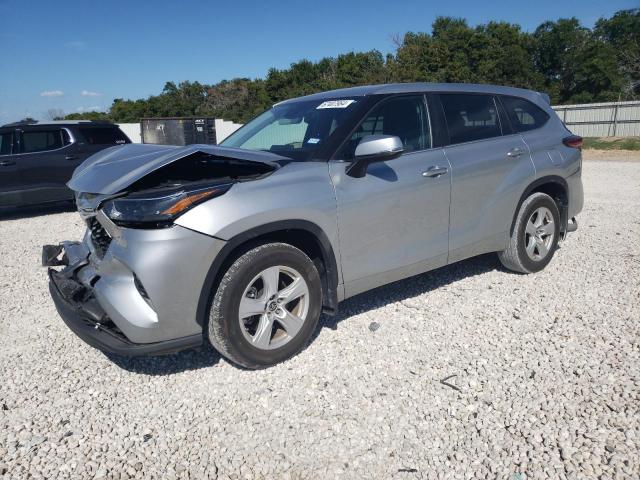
298,191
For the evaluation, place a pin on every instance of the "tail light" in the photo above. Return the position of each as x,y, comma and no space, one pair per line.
573,141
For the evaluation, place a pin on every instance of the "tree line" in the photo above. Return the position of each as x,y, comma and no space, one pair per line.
570,62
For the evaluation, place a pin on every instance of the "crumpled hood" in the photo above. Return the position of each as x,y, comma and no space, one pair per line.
114,169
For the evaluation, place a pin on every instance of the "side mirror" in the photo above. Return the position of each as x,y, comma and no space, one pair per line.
372,149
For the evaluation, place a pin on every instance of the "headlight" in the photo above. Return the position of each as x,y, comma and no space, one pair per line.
153,209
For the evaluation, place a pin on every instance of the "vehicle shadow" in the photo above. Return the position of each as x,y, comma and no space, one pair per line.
18,213
203,357
408,288
207,356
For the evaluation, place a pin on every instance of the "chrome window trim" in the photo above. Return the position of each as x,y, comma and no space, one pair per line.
71,137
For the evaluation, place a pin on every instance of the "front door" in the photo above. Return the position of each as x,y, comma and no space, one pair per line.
394,221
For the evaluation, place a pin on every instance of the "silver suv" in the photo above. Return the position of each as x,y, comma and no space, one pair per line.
314,201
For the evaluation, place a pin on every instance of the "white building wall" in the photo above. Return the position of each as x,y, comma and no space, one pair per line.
132,130
224,128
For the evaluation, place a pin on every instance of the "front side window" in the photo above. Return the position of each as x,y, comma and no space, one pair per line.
103,136
5,143
294,129
470,117
42,140
523,114
404,117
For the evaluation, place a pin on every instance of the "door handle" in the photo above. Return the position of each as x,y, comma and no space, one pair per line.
435,172
70,157
515,152
6,163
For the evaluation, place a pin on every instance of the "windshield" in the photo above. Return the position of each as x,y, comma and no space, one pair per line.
295,130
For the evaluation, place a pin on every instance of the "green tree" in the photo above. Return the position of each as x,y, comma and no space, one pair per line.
576,66
563,58
93,115
622,32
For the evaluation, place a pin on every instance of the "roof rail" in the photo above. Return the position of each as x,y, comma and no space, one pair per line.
21,122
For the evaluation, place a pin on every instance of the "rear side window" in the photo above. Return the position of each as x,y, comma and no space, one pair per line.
523,114
42,140
103,136
470,117
5,143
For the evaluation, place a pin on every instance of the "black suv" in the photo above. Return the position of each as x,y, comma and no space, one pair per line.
37,159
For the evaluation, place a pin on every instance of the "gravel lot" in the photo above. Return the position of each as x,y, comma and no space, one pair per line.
546,372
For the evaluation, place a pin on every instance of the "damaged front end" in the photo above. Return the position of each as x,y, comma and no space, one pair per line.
80,309
128,288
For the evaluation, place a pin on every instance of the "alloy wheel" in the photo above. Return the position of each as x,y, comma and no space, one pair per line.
539,234
273,307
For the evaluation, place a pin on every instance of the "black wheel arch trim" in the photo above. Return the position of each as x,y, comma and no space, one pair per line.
329,279
563,208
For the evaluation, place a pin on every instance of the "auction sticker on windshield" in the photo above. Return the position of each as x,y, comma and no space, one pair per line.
335,104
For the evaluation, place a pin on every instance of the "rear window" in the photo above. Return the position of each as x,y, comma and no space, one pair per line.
523,114
5,143
42,140
470,117
103,135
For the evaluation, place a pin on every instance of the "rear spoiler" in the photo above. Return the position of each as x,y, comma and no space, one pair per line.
546,97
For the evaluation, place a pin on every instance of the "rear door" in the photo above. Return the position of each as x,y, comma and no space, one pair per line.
10,183
490,166
45,161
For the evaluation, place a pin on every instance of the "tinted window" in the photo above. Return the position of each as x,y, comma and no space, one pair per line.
405,117
41,140
103,135
523,114
470,117
5,143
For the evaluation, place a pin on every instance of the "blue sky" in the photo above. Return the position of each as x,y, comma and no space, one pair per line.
74,55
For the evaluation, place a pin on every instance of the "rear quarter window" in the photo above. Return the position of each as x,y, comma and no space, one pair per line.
103,136
523,114
470,117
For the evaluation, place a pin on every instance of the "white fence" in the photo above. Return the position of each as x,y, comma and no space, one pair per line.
613,119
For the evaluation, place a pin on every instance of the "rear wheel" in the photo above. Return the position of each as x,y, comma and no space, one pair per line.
266,306
535,235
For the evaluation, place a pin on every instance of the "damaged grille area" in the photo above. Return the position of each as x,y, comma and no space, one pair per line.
99,236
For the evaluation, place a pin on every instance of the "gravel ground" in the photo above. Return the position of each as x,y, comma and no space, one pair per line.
543,374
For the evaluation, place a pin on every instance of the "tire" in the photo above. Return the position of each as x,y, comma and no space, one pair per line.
248,287
517,256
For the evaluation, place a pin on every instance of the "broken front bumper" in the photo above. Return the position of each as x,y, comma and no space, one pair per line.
85,317
137,293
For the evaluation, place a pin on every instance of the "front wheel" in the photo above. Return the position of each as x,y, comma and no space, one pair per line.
266,306
535,235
